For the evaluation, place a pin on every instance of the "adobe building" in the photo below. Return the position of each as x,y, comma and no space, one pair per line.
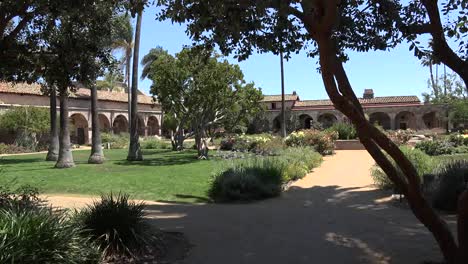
390,112
112,107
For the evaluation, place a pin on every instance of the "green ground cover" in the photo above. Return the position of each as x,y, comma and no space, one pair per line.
163,175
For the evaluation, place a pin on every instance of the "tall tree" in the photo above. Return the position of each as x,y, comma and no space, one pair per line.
53,150
329,27
123,40
134,149
77,50
198,91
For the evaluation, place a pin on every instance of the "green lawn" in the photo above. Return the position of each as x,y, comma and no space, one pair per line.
162,176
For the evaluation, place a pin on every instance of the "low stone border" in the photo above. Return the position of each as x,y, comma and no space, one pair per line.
353,144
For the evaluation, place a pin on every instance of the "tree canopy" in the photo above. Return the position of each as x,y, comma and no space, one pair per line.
198,90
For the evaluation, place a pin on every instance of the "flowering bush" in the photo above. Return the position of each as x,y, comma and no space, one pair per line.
247,143
322,141
401,137
11,149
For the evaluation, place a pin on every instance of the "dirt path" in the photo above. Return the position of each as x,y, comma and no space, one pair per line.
331,216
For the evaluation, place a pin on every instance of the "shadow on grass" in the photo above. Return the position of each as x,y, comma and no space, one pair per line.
164,160
15,161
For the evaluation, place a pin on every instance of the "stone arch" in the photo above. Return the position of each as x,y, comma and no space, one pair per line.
153,126
381,119
120,124
431,120
276,124
306,121
327,120
141,126
79,130
104,123
405,120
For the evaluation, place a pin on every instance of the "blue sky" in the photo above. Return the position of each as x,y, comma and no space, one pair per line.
395,72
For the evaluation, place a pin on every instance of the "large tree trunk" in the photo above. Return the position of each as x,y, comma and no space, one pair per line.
52,154
128,57
65,158
338,88
202,145
134,150
442,50
97,155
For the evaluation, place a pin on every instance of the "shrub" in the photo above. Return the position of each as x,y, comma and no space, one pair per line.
262,177
11,149
401,137
420,160
322,141
22,198
247,180
116,141
298,162
453,180
456,139
42,236
246,143
345,131
436,147
461,150
227,143
154,143
116,224
268,148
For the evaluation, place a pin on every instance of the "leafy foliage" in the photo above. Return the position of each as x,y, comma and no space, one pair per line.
115,141
153,143
32,119
322,141
259,177
344,130
453,180
21,198
116,224
421,161
42,236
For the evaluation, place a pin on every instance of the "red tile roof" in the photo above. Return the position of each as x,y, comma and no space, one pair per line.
277,98
376,100
81,93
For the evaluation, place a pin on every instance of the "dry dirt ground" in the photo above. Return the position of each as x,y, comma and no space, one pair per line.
331,216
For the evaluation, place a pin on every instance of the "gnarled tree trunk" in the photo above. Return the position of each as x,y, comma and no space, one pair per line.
65,158
320,26
134,150
97,155
53,152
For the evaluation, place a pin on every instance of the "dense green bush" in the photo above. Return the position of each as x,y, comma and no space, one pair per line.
345,130
436,147
42,236
257,177
154,143
116,224
246,180
453,180
246,143
421,161
297,162
322,141
116,141
456,139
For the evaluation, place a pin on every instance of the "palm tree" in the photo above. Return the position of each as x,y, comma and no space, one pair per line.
97,155
53,151
110,82
65,157
149,58
123,40
134,150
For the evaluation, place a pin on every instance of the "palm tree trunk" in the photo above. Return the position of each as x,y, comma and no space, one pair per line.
65,158
134,150
52,154
97,155
128,57
283,114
